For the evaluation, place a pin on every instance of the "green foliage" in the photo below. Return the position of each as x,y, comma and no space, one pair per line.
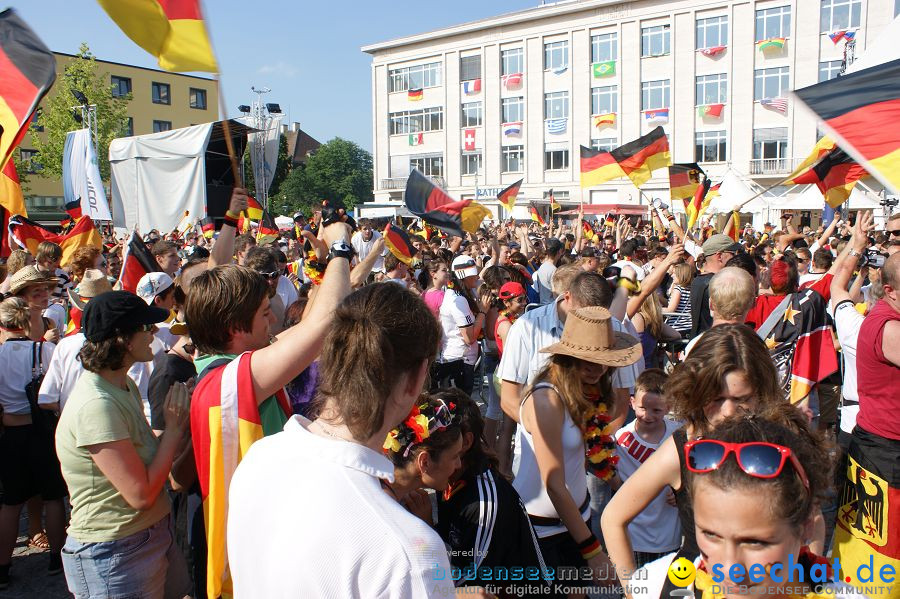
112,121
338,170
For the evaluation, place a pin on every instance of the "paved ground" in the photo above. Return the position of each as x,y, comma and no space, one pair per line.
28,575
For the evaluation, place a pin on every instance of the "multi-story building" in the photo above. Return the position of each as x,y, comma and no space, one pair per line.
159,101
481,105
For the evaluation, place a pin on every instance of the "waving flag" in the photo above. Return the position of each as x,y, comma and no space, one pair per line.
712,51
10,195
554,205
136,262
508,196
735,232
268,230
73,209
208,227
432,204
776,104
604,69
28,234
636,160
254,209
684,180
588,231
535,215
831,170
471,87
397,241
171,30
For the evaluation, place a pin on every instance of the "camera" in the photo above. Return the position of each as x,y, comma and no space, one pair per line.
332,214
872,258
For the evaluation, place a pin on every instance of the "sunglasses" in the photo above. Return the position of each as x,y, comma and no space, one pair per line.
894,233
271,275
758,459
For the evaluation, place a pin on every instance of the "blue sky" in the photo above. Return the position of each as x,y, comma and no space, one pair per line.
308,53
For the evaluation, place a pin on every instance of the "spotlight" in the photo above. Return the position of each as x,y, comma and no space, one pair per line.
76,115
273,108
244,108
80,97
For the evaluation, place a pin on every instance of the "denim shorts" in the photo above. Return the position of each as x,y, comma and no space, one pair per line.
145,565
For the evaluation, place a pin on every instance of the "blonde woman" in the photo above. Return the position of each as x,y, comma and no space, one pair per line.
652,329
680,297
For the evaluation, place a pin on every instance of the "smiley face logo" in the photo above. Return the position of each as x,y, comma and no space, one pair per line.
682,572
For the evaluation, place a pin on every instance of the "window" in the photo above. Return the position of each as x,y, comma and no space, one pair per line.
413,121
710,146
556,55
160,93
121,86
829,69
129,127
604,47
655,94
35,118
471,163
159,126
712,32
470,68
604,144
512,61
604,100
712,89
770,143
896,7
654,41
431,166
556,105
513,159
419,76
771,83
29,161
840,14
556,158
773,22
198,98
471,114
512,109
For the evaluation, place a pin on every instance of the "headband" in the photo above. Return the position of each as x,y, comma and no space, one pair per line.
424,420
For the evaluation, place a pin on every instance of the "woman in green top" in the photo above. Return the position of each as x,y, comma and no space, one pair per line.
119,541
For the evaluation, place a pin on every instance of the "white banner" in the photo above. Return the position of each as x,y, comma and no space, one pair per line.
269,139
81,176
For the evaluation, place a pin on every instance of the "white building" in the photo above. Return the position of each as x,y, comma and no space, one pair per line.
550,71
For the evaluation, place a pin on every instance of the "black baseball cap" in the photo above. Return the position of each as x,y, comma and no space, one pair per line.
115,311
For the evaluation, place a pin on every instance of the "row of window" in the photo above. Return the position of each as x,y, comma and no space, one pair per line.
655,41
160,93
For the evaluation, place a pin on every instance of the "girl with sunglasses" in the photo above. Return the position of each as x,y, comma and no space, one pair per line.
771,472
732,373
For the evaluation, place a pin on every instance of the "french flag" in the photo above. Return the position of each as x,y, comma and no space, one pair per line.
471,87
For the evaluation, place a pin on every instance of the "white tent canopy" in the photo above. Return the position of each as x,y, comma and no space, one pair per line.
735,190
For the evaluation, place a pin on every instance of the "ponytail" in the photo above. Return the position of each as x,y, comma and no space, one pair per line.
15,315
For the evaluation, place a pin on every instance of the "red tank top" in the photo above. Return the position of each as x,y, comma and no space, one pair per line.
877,379
501,318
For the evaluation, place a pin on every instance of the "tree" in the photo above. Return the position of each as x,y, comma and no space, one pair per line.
282,168
57,119
339,170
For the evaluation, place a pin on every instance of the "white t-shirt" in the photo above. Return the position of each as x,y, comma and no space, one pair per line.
57,313
810,278
286,291
339,534
15,364
456,314
638,269
657,528
847,322
364,248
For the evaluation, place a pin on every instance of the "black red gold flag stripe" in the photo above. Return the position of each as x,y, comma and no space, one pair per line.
12,202
136,262
683,180
830,169
29,234
434,206
535,215
636,160
508,196
254,208
73,209
268,230
397,241
598,167
208,227
860,111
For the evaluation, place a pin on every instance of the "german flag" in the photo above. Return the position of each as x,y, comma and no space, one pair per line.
208,227
74,324
830,169
535,215
554,205
73,209
735,232
636,160
11,202
684,180
414,95
860,111
508,196
171,30
588,231
254,209
268,230
136,262
435,207
27,71
397,241
28,234
698,204
598,167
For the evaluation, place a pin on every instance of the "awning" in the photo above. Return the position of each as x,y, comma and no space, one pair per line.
617,209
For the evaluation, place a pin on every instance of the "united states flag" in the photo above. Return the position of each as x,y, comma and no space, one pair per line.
779,104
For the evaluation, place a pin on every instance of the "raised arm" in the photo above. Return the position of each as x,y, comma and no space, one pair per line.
654,279
845,264
361,271
223,249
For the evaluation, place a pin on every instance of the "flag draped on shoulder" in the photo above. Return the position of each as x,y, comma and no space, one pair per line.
508,196
860,111
636,160
136,262
171,30
29,234
433,205
830,169
399,244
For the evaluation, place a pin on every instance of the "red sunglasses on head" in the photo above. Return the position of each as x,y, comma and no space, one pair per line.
758,459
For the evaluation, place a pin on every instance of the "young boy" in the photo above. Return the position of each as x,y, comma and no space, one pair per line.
656,531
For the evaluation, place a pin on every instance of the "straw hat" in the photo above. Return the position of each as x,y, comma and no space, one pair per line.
589,335
92,284
28,276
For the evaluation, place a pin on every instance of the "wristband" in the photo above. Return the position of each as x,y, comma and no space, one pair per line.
227,220
670,218
590,547
230,214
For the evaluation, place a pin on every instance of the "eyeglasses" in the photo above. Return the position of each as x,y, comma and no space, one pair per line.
758,459
894,233
271,275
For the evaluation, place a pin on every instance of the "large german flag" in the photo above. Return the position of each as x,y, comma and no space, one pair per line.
636,160
508,196
432,204
28,234
684,180
697,205
830,169
860,111
397,241
171,30
27,70
598,167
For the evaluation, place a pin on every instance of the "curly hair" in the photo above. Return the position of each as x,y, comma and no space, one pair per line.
108,354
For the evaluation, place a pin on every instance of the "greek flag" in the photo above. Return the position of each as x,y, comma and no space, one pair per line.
556,126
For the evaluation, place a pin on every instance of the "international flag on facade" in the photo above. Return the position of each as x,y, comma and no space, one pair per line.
268,230
712,51
73,209
171,30
660,115
433,205
710,110
841,35
29,234
398,243
776,104
684,180
508,196
561,69
225,422
513,129
414,95
208,227
11,202
512,81
136,262
557,126
774,43
471,87
604,69
697,204
860,111
637,160
605,120
416,139
27,71
535,215
469,139
830,169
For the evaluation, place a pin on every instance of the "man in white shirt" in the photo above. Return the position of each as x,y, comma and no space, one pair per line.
626,253
363,241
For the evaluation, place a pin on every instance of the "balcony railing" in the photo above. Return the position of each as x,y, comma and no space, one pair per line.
400,182
773,166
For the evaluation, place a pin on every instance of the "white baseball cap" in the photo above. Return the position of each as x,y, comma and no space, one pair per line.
464,266
153,284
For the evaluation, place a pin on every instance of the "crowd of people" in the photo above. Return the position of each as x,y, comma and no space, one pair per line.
570,409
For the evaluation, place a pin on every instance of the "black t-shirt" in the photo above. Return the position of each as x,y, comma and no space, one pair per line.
701,319
174,369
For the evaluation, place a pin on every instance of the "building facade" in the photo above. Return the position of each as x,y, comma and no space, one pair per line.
159,101
481,105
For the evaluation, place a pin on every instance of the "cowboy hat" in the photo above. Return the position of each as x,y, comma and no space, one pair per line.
589,336
28,276
92,284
